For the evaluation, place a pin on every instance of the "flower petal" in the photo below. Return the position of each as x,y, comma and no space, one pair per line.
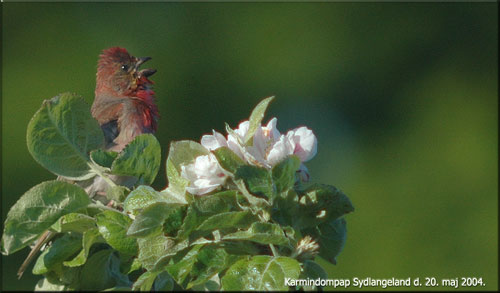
214,141
304,142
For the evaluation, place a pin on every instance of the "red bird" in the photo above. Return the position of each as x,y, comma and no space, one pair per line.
124,106
124,103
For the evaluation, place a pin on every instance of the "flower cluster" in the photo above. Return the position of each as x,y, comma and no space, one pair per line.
268,148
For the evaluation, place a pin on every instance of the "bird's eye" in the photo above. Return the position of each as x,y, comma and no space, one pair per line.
125,67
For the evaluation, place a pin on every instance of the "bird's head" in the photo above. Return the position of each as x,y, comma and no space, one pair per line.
118,73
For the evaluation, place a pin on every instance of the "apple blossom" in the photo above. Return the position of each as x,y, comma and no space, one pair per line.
304,143
204,175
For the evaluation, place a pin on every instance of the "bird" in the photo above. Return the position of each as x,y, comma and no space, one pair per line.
125,107
124,103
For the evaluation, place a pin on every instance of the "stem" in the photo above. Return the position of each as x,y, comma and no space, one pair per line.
94,205
103,176
273,249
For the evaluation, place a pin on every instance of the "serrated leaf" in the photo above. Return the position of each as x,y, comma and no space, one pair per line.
228,159
210,261
155,251
163,282
320,203
313,271
206,206
256,119
284,173
60,250
172,195
181,152
145,281
140,158
102,271
113,227
103,158
37,210
176,184
75,222
228,220
263,233
257,180
144,196
331,237
62,133
150,220
262,273
117,193
141,197
60,274
180,270
89,238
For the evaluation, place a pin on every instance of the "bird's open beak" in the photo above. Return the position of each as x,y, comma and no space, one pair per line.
144,72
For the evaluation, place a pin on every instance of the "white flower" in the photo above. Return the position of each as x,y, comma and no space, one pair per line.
269,146
280,150
213,142
304,143
204,175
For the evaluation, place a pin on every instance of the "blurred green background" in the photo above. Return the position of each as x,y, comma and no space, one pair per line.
403,98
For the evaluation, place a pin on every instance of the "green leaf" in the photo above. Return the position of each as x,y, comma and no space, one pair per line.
181,152
206,206
180,270
140,158
145,281
184,152
171,194
163,282
286,209
103,158
331,237
211,260
140,198
75,222
144,196
257,180
256,119
60,250
155,251
150,220
117,289
154,281
228,159
117,193
312,270
228,220
102,271
37,210
284,173
261,273
254,201
62,133
320,203
60,274
263,233
113,227
89,238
